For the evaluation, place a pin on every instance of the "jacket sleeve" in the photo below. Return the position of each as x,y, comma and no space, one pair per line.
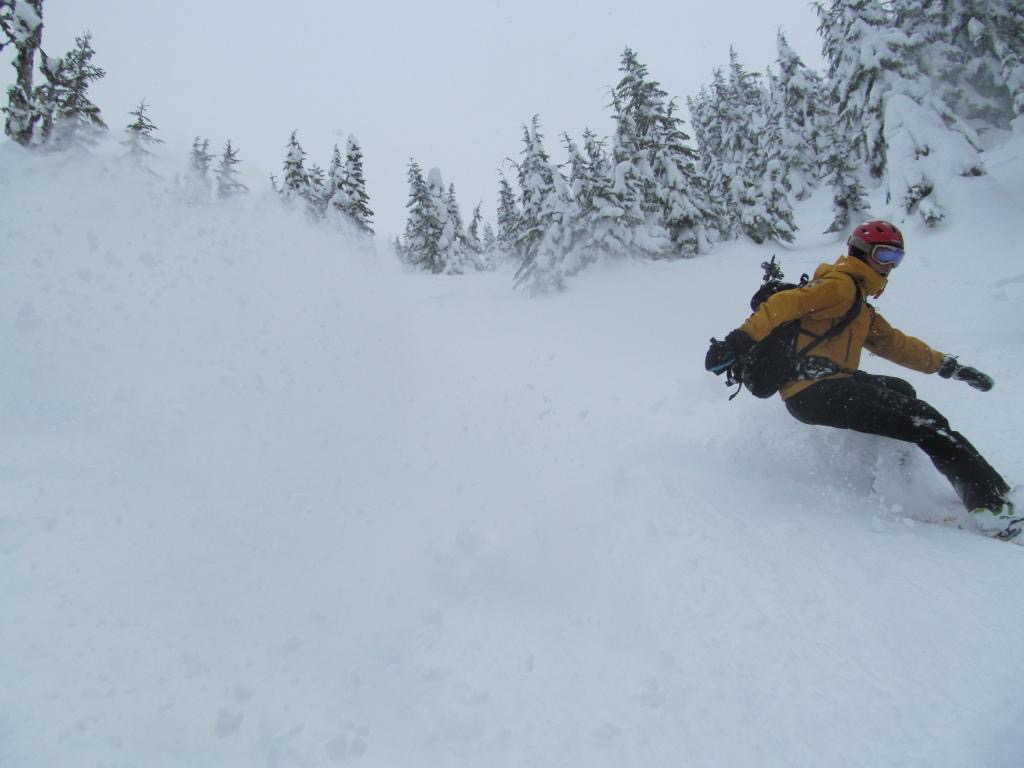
885,341
824,299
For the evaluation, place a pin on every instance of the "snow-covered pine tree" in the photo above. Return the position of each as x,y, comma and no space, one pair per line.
21,25
597,227
708,117
800,103
890,110
842,173
474,243
197,179
489,245
1005,29
548,219
354,186
316,193
422,227
773,165
337,202
636,103
751,174
974,49
68,118
685,209
294,178
451,250
604,219
508,219
455,218
228,184
140,136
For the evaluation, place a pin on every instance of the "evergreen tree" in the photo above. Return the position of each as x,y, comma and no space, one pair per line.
474,244
508,221
848,196
316,193
548,221
21,25
889,110
197,180
423,229
773,164
489,245
295,181
140,136
658,190
743,156
706,111
338,202
1004,28
611,231
743,111
636,102
455,217
684,209
354,185
346,189
228,184
451,247
972,51
594,217
67,116
800,105
294,178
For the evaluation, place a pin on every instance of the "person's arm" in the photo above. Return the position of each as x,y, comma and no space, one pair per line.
886,341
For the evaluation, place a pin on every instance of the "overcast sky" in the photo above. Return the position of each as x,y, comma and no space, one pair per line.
447,82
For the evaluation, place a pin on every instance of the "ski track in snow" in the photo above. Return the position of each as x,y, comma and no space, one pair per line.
269,501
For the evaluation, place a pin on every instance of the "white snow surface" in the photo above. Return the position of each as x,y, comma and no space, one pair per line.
267,501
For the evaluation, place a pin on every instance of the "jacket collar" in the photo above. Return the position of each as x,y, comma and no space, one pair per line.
867,278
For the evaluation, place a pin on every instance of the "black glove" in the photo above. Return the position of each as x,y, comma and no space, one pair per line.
951,369
722,354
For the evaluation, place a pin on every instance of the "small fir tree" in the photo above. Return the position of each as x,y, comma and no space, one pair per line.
508,221
316,193
474,244
140,138
420,244
451,239
489,246
354,186
228,184
198,185
548,221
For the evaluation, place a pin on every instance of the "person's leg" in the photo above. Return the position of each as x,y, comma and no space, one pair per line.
883,405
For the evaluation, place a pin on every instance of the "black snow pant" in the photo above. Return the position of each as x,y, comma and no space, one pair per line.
885,405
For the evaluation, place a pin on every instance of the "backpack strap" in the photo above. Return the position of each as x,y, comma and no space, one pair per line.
839,327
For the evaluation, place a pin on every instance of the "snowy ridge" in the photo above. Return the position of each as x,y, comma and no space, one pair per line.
268,500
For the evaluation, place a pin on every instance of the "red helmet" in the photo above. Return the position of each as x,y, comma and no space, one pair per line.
872,233
879,243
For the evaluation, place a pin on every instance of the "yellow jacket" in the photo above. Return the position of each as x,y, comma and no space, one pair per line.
822,303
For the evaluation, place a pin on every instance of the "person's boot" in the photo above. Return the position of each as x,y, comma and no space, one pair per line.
1000,522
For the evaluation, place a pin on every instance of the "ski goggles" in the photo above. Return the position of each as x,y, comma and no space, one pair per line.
886,257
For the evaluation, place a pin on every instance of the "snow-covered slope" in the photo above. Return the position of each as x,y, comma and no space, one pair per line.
266,500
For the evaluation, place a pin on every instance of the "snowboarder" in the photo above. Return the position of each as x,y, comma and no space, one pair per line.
847,398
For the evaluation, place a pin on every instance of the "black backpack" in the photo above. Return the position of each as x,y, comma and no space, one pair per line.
777,359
